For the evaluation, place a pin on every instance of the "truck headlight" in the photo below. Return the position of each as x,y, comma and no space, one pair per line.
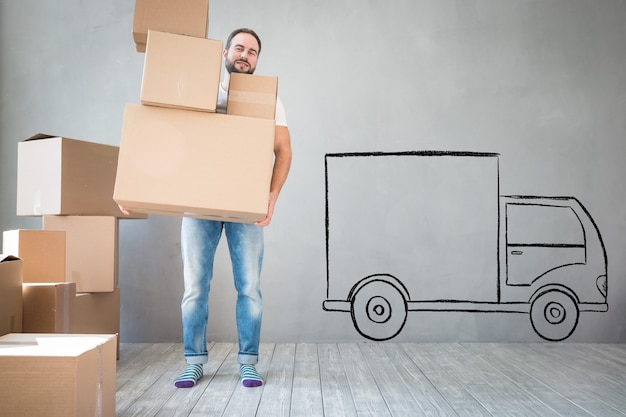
602,285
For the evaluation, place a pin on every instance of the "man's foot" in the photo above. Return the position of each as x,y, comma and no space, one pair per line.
190,377
249,376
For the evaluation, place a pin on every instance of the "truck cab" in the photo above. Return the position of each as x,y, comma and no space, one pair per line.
554,259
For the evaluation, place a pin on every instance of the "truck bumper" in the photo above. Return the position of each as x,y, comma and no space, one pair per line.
336,305
602,307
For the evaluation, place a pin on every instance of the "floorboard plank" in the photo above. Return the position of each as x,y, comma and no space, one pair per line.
368,399
336,395
276,400
306,397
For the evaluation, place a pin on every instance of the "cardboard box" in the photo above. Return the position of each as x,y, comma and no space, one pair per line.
42,253
97,313
57,308
48,307
10,294
252,95
91,259
189,17
181,71
196,164
57,175
52,375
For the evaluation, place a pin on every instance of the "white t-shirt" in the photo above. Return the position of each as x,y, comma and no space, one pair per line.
280,117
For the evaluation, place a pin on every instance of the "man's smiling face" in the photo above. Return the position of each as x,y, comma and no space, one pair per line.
242,55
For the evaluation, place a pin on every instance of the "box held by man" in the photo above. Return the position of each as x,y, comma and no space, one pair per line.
189,17
181,72
195,164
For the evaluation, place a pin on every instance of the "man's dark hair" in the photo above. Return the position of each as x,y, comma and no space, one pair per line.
243,30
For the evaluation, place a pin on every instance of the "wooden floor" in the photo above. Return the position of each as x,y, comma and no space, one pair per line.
381,379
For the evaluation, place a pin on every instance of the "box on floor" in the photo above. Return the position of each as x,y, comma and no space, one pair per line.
91,247
54,375
181,72
11,304
168,155
62,176
190,17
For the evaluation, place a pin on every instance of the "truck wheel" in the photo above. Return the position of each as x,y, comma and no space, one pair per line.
378,310
554,315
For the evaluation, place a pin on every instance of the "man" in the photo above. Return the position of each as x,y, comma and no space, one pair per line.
199,240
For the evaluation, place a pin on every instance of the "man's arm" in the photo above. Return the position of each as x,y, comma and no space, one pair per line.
282,163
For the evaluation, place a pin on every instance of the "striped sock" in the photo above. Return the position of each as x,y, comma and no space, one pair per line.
249,376
190,377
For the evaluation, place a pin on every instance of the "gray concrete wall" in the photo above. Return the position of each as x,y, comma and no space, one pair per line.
542,83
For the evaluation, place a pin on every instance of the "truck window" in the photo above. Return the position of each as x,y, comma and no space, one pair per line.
543,225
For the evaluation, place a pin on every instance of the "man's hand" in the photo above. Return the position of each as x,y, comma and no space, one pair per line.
282,162
270,211
124,210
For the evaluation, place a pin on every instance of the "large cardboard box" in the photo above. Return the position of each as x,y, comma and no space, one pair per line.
53,375
97,313
189,17
42,253
10,294
196,164
48,307
181,71
91,259
252,95
58,175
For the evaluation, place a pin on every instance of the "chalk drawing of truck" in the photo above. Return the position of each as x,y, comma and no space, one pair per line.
429,231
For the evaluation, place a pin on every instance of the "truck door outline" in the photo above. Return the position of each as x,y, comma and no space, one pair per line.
575,251
379,302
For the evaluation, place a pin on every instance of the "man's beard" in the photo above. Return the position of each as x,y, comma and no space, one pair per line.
230,67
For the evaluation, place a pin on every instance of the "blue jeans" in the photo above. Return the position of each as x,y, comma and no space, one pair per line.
199,239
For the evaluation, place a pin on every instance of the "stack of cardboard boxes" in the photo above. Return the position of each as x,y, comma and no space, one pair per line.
177,155
61,279
70,266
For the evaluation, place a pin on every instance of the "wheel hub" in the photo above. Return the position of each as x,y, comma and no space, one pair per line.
378,309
